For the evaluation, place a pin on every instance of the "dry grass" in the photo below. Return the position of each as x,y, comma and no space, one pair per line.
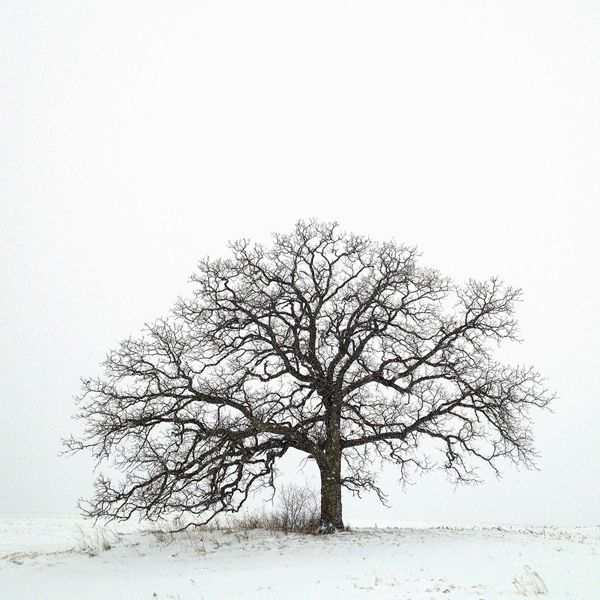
296,511
100,540
530,583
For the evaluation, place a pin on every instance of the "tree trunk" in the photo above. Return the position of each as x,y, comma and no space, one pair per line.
331,472
331,499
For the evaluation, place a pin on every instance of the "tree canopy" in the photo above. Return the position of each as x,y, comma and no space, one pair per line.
329,343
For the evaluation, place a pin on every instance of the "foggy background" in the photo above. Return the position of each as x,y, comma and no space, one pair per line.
138,137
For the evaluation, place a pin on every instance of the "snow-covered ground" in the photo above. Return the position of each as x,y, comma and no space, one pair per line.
67,559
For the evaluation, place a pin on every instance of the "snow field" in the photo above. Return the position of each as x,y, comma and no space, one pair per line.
69,559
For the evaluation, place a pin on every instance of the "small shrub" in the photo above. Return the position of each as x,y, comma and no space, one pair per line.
296,511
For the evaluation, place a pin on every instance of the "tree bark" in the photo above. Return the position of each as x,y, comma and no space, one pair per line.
331,497
331,481
331,471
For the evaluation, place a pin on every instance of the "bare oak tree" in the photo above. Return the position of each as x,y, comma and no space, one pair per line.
325,342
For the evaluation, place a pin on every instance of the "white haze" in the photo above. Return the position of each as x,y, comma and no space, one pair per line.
138,137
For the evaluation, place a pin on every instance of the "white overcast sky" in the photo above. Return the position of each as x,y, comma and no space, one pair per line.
138,137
